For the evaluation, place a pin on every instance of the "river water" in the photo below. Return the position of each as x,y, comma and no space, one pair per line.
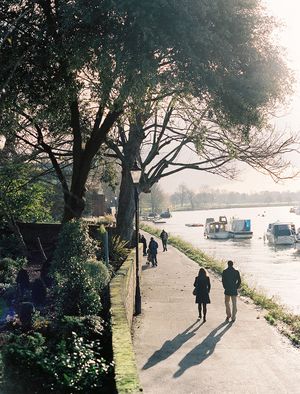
274,271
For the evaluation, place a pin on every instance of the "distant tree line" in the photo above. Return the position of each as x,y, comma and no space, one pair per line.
184,198
156,201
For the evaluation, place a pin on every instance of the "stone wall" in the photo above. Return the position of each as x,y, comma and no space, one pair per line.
122,293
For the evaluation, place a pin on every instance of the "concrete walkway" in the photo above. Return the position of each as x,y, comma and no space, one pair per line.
176,353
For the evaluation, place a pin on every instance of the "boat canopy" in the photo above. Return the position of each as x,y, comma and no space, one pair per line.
241,225
215,227
282,230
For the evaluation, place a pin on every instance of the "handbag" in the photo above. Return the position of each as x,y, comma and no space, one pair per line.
194,291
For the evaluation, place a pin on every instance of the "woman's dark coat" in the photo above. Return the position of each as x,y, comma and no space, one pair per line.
202,286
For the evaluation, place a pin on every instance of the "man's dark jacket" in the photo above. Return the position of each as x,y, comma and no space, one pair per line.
231,281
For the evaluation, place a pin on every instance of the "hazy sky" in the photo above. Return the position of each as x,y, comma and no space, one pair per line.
288,36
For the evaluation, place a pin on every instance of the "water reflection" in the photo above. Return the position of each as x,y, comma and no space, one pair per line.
274,269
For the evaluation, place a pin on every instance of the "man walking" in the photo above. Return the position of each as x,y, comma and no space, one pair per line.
231,280
164,238
153,246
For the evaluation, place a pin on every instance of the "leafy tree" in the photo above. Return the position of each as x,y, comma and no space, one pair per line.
71,69
21,199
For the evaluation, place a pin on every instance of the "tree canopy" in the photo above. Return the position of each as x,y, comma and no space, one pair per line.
71,69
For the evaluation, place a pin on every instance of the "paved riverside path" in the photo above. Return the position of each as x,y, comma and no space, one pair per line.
176,353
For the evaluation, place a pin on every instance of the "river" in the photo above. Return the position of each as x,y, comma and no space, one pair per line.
274,271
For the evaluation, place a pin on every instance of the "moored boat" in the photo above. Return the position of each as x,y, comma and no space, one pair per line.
281,233
216,229
166,214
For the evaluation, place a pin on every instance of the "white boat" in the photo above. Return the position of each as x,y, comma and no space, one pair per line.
240,228
281,233
216,229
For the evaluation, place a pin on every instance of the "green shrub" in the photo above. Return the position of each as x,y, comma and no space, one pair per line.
9,269
32,365
78,365
73,241
90,327
22,358
10,246
118,252
75,291
98,272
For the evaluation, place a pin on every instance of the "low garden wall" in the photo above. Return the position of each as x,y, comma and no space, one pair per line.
122,294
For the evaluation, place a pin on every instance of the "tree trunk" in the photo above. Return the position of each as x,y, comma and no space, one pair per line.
126,206
74,204
74,200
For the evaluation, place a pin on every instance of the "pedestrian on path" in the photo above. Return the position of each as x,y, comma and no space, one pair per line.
144,242
164,238
201,291
153,246
231,281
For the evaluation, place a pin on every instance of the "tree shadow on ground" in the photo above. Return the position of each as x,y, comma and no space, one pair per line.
171,346
202,351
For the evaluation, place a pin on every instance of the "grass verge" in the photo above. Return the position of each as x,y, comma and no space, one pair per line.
276,314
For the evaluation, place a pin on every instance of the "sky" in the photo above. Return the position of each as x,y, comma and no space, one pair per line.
287,118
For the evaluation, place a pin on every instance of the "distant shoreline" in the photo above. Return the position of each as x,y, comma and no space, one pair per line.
228,206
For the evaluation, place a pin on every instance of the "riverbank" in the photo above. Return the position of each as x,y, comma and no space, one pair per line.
178,353
276,314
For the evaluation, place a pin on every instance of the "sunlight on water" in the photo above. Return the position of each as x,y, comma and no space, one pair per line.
276,271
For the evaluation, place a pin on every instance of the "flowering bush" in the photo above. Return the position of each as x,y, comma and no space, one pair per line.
34,365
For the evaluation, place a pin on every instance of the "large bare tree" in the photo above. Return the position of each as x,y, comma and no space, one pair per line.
182,133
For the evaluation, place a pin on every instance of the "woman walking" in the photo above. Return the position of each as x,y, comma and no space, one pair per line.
201,291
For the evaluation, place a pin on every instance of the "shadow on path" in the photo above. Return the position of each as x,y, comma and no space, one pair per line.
202,351
171,346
